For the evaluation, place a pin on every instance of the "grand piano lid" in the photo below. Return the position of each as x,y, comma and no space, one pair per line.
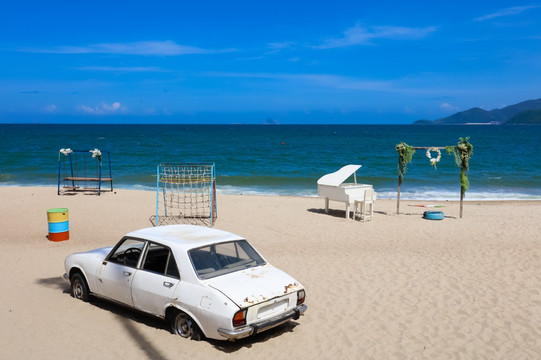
338,177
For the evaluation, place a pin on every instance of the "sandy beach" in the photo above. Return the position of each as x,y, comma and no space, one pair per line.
398,287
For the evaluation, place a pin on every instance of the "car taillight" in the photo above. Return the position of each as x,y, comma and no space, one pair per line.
239,318
300,296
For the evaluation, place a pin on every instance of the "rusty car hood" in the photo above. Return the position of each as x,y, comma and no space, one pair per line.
254,285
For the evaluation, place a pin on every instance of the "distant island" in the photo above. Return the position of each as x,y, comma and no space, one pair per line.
524,113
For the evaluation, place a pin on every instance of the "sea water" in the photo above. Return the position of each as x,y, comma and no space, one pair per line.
286,159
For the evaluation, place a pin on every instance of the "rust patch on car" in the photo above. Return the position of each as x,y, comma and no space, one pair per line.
291,287
246,300
254,299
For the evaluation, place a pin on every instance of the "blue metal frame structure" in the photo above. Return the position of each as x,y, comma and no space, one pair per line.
161,180
73,175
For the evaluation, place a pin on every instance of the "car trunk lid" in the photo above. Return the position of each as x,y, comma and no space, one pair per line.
254,285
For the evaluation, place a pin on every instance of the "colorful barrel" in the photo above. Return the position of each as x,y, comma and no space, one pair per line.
58,220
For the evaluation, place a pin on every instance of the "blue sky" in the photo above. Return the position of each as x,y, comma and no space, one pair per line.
336,62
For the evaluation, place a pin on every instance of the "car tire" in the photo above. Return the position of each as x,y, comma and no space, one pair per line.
79,288
183,325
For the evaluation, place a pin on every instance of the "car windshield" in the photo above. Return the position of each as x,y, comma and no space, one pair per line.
223,258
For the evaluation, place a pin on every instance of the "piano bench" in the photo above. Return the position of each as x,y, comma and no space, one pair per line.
364,209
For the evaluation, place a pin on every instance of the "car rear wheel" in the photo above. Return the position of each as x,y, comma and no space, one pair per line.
184,326
79,288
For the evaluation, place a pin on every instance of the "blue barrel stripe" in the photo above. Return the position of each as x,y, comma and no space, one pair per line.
56,227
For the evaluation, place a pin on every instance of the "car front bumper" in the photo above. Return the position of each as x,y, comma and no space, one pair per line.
259,327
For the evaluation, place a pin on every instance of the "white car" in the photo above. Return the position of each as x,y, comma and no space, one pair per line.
205,282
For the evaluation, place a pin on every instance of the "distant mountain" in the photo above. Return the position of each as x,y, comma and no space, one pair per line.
526,117
530,108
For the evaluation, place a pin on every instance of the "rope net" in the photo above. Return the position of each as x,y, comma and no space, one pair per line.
186,194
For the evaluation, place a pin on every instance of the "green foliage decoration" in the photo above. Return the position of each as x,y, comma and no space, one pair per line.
463,151
405,153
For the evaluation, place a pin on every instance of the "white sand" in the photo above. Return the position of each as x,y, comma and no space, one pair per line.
399,287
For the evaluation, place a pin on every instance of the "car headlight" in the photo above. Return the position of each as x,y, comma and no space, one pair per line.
239,318
300,297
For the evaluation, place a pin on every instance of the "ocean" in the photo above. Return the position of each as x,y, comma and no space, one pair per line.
286,159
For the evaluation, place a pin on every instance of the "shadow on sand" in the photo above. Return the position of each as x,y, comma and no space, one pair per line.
339,213
127,316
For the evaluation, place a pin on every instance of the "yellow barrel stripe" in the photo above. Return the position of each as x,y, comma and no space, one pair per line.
57,215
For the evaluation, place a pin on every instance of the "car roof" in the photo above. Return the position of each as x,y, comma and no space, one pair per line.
184,236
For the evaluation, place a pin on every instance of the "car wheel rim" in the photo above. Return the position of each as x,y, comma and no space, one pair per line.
77,289
184,326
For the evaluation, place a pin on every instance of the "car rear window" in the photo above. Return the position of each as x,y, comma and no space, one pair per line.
222,258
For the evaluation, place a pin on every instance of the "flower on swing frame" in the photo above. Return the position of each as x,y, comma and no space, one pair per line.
95,153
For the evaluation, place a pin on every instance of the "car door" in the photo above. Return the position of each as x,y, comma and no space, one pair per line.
154,284
117,271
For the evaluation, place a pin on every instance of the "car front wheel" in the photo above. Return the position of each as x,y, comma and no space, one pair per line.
79,288
184,326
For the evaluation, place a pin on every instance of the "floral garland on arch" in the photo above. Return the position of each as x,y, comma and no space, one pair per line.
405,154
436,160
463,151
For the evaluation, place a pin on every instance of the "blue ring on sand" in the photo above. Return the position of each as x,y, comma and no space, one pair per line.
433,215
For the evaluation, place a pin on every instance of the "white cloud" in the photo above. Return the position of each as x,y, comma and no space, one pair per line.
323,80
448,107
281,45
160,48
278,47
515,10
123,69
343,82
51,108
252,58
104,109
359,35
409,110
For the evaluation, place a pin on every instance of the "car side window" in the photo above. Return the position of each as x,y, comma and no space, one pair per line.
160,259
128,252
172,269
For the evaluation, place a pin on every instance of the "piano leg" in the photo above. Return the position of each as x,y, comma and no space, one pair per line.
347,209
326,205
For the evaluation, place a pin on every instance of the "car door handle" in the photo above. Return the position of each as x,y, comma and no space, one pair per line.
167,284
127,273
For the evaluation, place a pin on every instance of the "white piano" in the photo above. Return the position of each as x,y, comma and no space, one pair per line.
332,187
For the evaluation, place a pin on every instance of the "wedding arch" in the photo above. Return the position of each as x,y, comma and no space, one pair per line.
462,152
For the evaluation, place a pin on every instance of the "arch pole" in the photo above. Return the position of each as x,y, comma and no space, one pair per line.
398,196
461,200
